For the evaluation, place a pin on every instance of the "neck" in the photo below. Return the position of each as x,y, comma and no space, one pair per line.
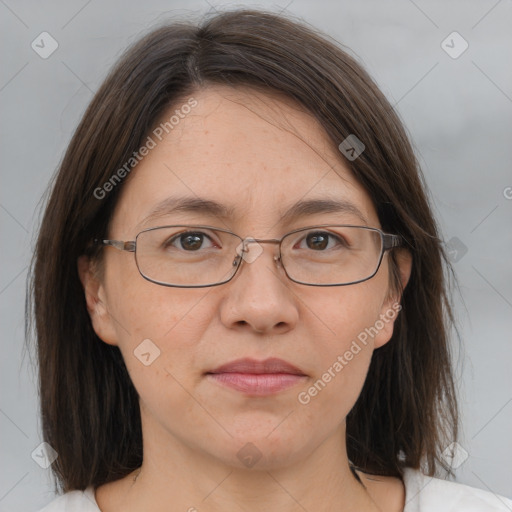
179,478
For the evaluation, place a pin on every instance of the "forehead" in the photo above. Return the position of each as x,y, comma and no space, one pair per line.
256,153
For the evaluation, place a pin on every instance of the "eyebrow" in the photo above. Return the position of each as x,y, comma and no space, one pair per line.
301,208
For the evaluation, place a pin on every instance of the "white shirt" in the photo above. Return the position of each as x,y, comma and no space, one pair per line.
422,494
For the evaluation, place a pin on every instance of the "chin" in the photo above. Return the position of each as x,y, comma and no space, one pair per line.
261,449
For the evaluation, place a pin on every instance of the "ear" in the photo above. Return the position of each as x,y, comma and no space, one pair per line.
391,306
95,298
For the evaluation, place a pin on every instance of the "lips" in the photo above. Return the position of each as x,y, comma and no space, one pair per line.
257,378
252,366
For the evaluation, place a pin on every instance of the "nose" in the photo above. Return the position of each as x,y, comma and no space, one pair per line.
259,297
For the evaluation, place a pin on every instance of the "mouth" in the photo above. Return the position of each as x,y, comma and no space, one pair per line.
257,378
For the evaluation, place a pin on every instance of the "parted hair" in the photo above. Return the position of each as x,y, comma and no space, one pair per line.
406,413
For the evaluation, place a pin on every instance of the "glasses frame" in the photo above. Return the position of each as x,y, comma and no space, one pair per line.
388,242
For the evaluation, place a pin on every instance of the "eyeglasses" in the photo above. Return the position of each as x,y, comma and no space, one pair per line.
200,256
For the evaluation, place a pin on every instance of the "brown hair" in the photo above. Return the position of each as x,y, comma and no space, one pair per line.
90,411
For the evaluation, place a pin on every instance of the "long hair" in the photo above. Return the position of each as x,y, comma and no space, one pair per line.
90,412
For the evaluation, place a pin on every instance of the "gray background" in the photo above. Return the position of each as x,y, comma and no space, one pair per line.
457,110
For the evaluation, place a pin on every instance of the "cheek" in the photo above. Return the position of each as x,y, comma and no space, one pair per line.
156,327
159,347
341,346
341,314
141,309
341,367
332,392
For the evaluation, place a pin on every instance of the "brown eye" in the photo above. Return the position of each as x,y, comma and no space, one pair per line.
191,241
317,241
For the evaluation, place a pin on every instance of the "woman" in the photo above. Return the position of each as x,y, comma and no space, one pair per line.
238,287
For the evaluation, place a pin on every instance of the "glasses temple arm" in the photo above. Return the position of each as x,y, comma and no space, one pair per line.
391,241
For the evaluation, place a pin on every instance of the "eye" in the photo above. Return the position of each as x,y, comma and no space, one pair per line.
190,241
321,240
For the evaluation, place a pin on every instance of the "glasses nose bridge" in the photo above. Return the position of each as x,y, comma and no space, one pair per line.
264,240
249,240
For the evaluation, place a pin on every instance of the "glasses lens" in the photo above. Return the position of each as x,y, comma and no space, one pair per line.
187,255
333,255
191,256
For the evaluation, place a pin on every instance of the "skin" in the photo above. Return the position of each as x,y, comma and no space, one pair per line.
258,153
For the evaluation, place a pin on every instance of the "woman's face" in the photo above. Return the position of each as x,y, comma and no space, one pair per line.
257,155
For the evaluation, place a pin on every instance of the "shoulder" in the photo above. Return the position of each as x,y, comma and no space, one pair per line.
427,494
74,501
